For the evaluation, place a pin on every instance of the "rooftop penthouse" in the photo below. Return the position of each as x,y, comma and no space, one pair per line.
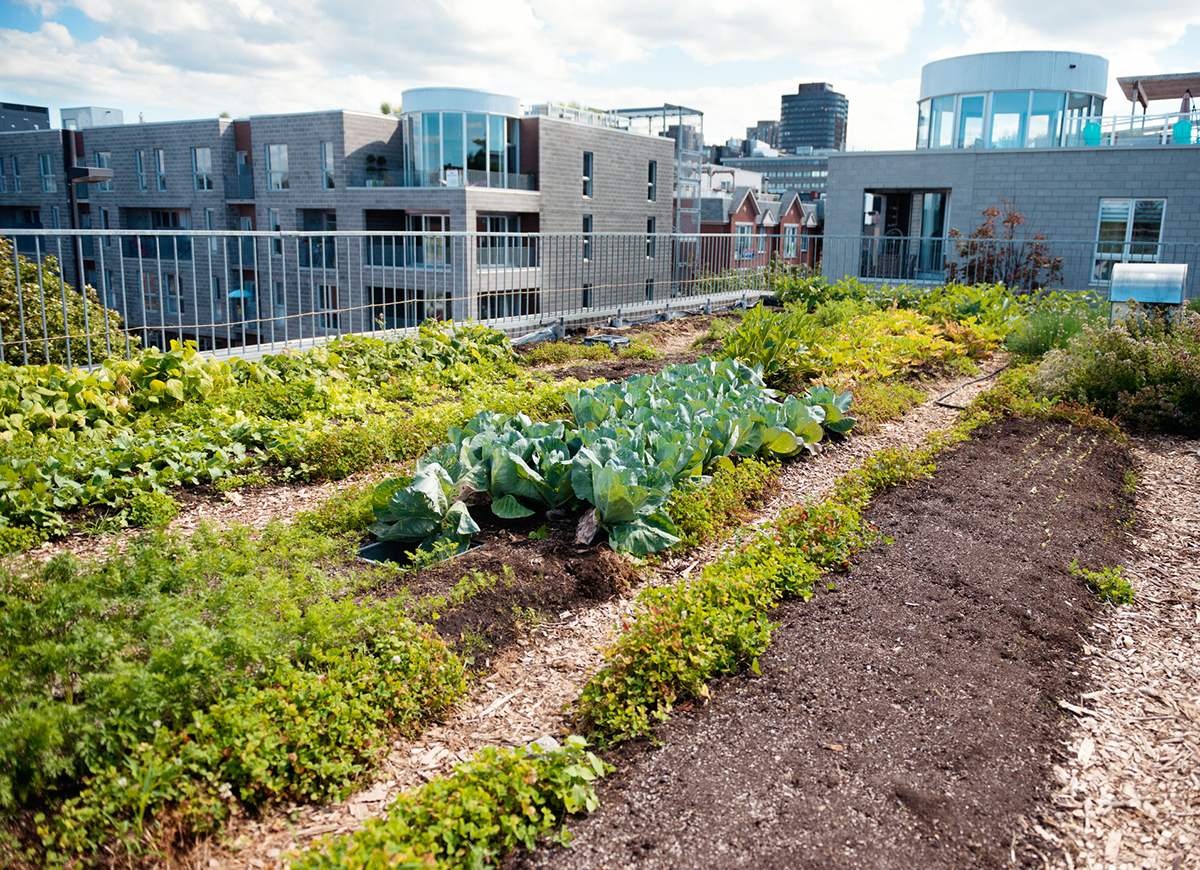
1045,99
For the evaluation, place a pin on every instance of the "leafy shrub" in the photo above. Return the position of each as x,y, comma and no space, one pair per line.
501,800
151,509
996,256
772,341
18,539
1109,584
1143,373
38,398
1047,328
153,379
95,330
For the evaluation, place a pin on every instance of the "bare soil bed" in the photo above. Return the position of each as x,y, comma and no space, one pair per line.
907,717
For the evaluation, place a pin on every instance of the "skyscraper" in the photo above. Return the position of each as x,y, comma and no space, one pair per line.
813,117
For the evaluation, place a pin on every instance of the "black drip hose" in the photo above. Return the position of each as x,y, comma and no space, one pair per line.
938,400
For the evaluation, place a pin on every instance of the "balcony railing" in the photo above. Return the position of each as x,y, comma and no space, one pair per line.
448,178
1146,130
239,185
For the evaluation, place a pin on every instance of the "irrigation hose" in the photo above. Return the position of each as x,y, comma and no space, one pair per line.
938,400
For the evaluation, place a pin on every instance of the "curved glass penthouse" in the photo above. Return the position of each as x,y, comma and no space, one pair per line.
459,137
1012,99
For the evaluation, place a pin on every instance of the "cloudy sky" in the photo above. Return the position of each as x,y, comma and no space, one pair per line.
175,59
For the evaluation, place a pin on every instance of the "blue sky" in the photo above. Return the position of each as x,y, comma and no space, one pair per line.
174,59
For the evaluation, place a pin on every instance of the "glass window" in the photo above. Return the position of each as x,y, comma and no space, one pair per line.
210,223
3,180
139,158
970,122
327,165
104,161
496,150
587,173
1045,119
587,237
149,291
476,144
790,234
652,181
273,224
160,168
941,123
650,237
327,305
16,174
277,167
173,292
1129,231
431,148
202,168
47,169
216,299
1010,110
923,124
452,148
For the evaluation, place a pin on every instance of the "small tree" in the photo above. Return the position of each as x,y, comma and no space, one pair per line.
29,332
985,257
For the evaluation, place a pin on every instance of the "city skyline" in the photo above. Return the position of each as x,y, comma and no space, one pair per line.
180,59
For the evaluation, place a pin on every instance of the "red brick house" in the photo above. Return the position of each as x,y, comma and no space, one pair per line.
760,226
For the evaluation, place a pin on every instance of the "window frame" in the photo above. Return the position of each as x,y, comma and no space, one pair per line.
160,168
652,181
651,245
791,238
327,182
1126,254
277,175
589,173
46,168
586,246
139,159
202,175
103,160
16,173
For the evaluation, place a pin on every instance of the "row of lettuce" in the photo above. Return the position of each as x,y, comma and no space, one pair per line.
629,444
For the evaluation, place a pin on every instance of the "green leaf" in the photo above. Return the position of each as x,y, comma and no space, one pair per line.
508,508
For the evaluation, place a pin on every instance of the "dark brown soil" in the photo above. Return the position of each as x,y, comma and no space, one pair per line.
908,718
537,580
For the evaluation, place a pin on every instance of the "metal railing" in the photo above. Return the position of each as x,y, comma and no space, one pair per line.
445,178
1023,264
250,293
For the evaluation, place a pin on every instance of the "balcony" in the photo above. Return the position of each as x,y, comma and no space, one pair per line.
239,185
448,178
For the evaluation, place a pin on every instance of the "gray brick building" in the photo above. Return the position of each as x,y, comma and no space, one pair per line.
460,208
1023,128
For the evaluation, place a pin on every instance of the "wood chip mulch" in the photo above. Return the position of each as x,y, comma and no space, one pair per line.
1129,795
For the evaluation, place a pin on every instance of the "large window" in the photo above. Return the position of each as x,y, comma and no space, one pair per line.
202,168
46,165
432,248
587,173
791,233
149,291
970,122
1129,231
277,167
104,161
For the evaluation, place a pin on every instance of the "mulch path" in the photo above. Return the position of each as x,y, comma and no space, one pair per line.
908,717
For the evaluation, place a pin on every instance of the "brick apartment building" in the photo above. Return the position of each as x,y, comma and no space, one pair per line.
456,161
761,226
